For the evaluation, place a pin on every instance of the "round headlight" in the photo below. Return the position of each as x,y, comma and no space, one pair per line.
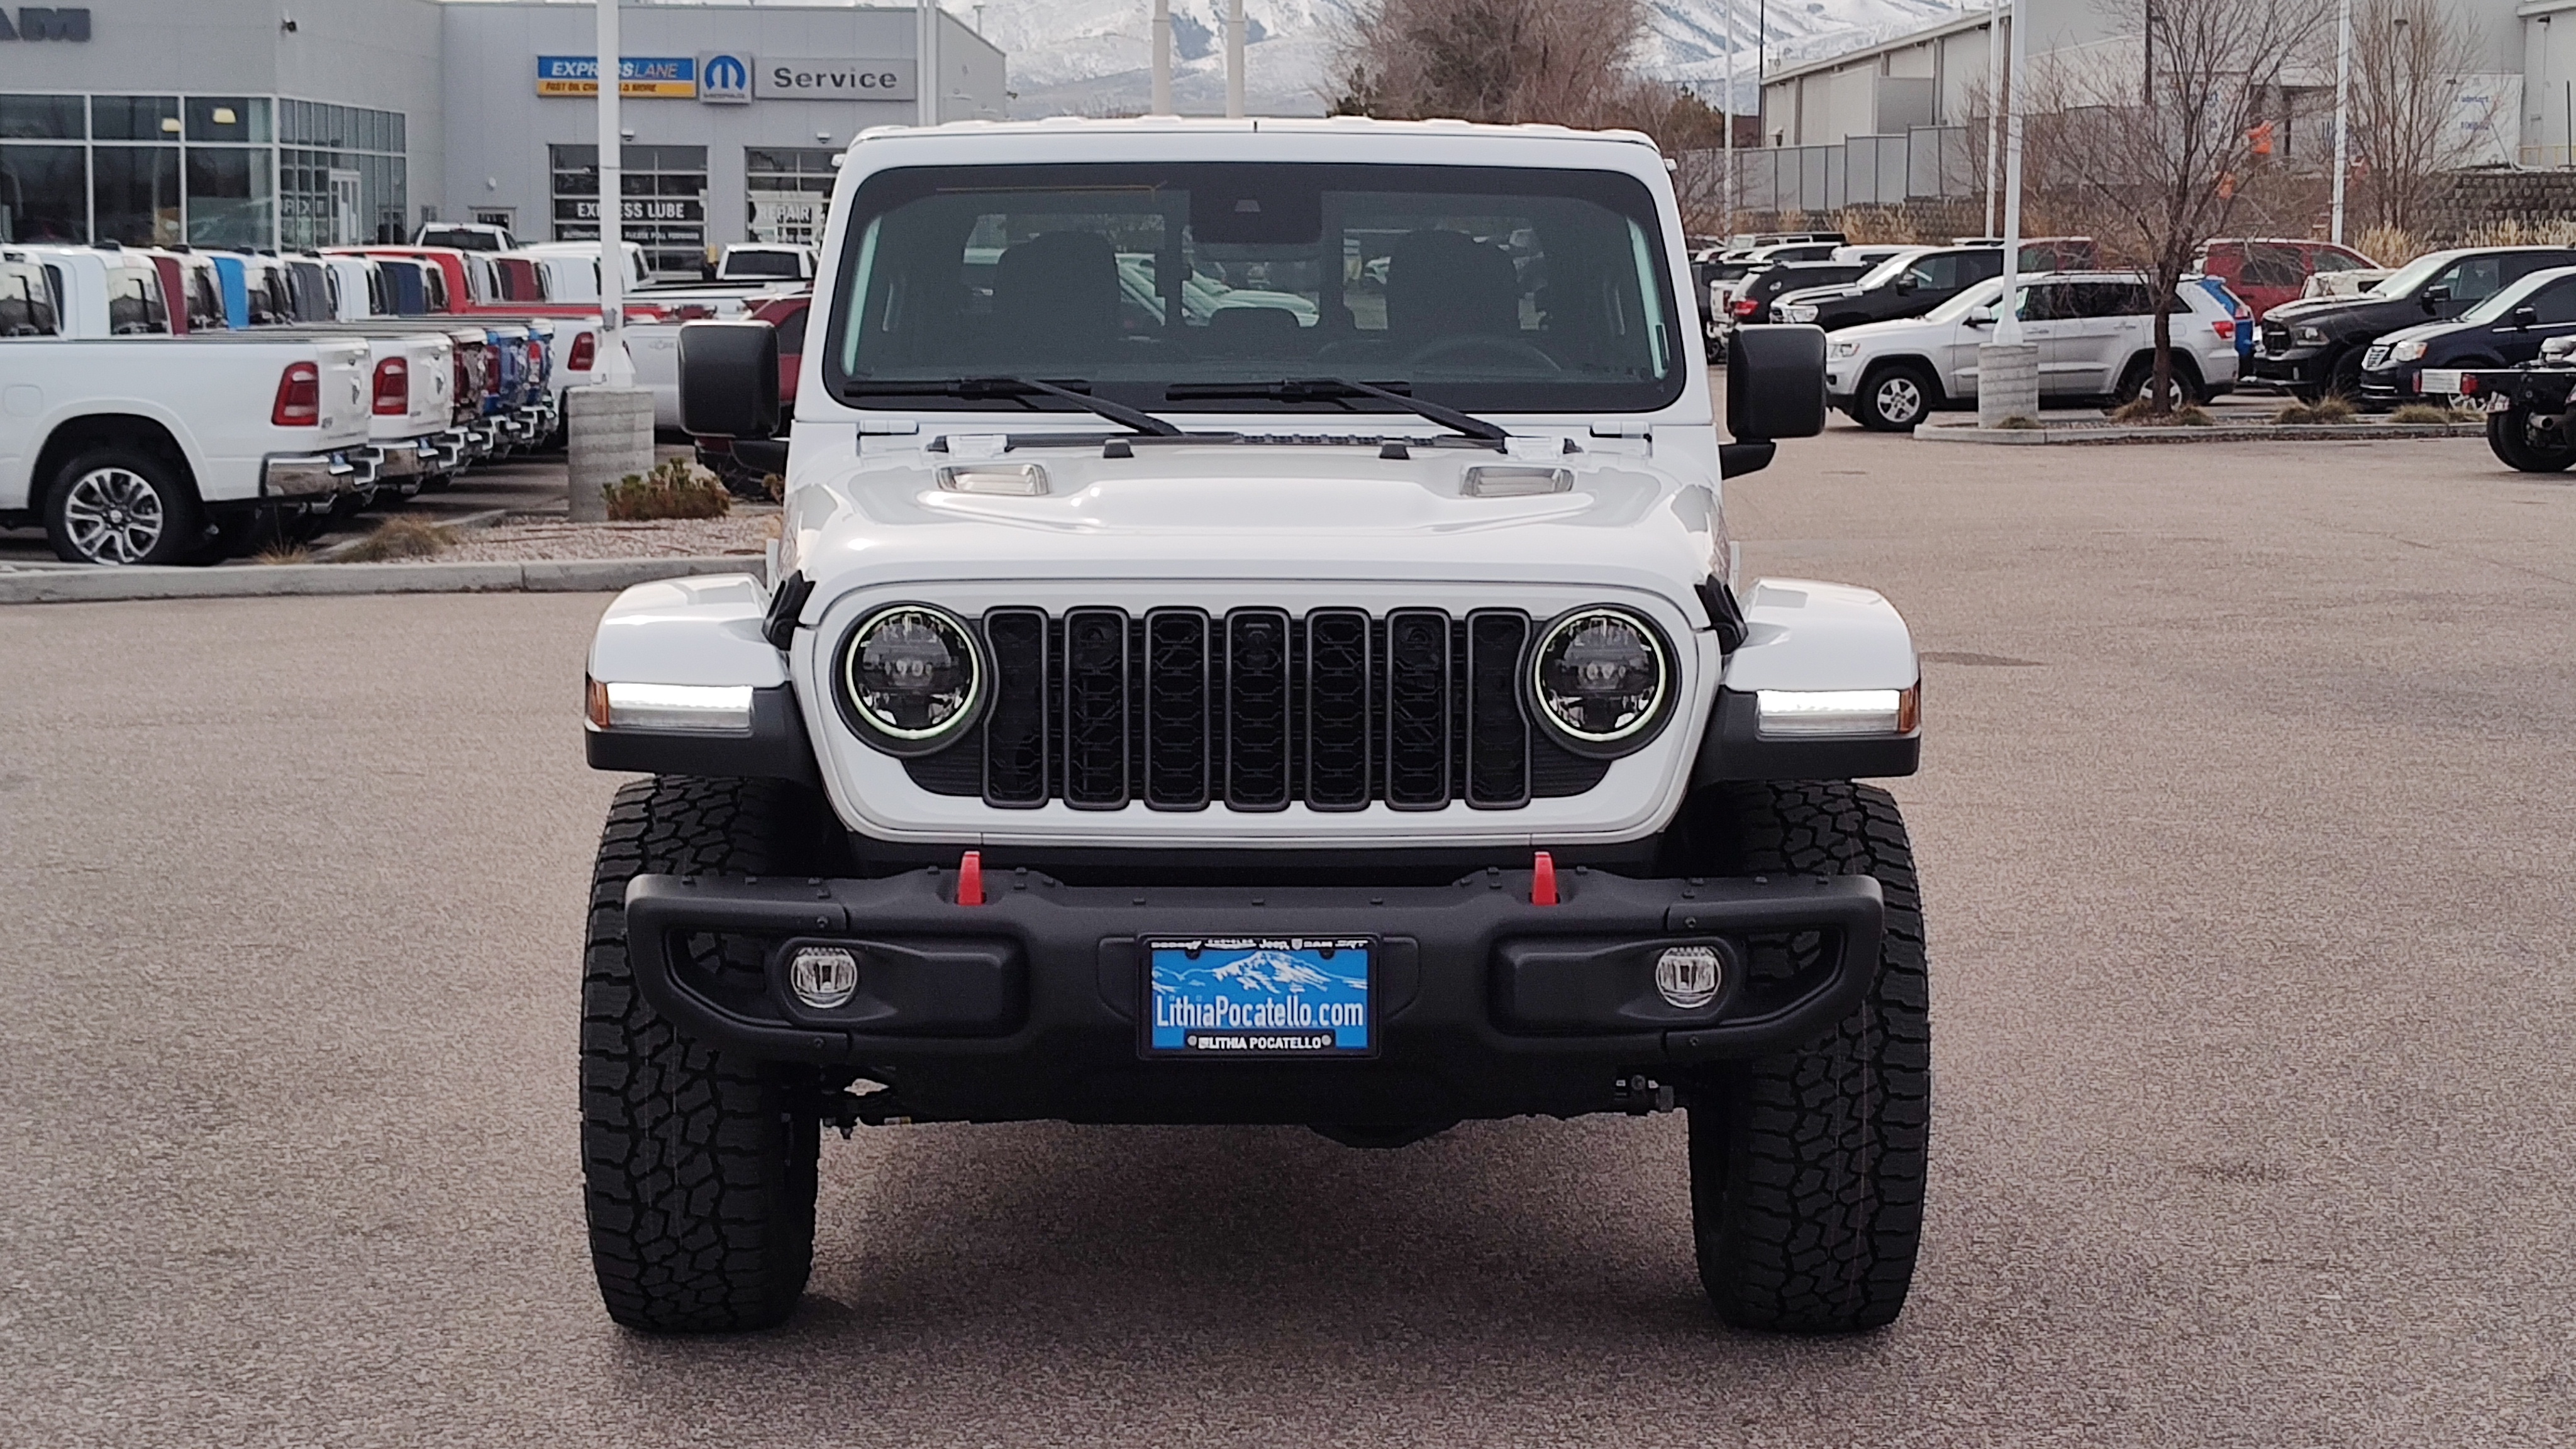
1601,679
912,678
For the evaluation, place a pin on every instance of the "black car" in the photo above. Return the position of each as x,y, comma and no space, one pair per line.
1907,285
1753,306
2319,346
2505,329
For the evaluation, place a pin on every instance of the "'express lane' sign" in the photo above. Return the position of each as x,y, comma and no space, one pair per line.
671,77
793,78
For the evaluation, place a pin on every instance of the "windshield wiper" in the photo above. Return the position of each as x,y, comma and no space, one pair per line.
1301,389
1021,388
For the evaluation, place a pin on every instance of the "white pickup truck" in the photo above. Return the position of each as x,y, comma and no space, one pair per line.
130,445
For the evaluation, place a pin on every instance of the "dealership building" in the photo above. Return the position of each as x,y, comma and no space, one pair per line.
299,123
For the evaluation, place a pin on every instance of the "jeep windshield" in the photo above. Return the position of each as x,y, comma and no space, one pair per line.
1154,285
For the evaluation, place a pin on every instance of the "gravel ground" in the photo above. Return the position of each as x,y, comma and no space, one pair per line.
747,530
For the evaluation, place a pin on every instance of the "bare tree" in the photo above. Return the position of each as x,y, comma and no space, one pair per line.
2154,142
1497,60
2407,60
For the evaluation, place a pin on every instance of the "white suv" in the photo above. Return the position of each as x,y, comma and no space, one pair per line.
2095,332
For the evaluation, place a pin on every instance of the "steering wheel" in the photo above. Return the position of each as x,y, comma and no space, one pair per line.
1484,342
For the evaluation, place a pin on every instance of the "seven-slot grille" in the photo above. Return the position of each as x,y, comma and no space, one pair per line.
1255,709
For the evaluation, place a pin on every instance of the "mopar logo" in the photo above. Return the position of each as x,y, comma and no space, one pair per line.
45,22
724,78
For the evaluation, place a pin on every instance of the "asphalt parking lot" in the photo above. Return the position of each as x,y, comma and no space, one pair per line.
2247,836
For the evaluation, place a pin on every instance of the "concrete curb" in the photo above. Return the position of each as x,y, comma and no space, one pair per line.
2216,433
544,576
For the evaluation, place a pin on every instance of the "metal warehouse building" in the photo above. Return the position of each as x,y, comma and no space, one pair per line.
253,123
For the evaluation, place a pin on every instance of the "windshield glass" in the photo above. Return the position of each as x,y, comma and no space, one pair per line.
761,264
1480,288
2410,276
2494,308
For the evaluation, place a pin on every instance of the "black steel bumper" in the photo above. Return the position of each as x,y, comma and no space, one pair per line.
1027,1007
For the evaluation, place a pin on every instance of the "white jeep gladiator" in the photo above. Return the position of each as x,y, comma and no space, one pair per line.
1336,707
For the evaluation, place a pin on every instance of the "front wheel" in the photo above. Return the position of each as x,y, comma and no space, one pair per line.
1893,399
1807,1169
2521,441
698,1166
2181,387
115,505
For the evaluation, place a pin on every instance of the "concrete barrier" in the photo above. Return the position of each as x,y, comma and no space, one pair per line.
536,576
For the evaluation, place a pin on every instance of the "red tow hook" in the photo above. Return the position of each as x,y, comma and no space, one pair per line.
970,879
1543,879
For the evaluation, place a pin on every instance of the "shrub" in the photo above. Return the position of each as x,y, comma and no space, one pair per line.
2138,412
2019,424
2327,409
399,538
676,488
2424,413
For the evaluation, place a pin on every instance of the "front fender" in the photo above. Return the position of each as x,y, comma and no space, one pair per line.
699,631
1804,636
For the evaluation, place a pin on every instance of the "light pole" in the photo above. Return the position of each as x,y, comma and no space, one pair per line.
1994,103
2343,112
1234,58
608,426
1730,123
1162,37
2008,368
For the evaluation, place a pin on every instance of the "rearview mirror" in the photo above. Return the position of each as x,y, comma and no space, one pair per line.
1775,382
729,379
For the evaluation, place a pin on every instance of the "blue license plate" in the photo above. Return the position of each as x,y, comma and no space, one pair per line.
1246,997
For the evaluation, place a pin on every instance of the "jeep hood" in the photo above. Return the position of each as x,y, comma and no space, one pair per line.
1253,511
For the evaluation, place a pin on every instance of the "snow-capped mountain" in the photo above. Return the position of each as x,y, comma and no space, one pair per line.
1275,973
1089,57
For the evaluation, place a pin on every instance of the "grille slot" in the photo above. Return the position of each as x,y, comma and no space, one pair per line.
1255,709
1176,709
1417,709
1498,762
1095,709
1015,733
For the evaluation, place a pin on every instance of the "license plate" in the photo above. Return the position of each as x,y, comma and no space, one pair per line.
1247,997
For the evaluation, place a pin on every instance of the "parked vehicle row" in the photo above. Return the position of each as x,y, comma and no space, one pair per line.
2095,331
2462,308
138,380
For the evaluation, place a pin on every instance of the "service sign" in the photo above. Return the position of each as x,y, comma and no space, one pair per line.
669,77
791,78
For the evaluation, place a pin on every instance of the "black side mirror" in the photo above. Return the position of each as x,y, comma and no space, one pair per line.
729,379
2434,297
1775,383
2524,316
1905,286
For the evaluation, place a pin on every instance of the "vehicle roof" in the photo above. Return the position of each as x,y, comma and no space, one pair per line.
1452,130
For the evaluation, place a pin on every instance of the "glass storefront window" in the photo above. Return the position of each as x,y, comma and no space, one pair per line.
228,196
787,191
665,190
134,118
137,190
44,194
228,118
41,118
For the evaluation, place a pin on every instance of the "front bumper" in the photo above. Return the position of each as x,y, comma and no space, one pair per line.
1027,1008
2298,367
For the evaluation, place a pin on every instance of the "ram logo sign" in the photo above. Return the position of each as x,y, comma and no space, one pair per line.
45,22
724,78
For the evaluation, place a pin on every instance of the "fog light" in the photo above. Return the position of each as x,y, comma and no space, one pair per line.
823,976
1689,976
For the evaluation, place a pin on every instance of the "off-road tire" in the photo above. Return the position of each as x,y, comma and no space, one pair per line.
698,1165
2509,438
1881,403
1807,1169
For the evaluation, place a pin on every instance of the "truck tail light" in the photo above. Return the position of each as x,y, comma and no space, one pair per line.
299,397
393,387
585,351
